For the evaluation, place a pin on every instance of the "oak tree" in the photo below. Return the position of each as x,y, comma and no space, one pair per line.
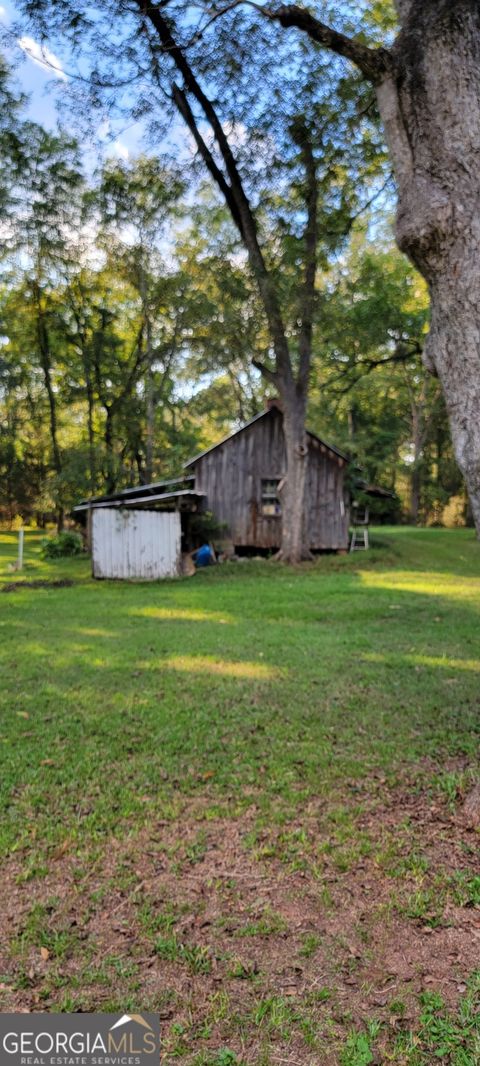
254,154
427,85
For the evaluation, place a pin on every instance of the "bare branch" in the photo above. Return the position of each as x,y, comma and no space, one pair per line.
374,63
138,362
201,31
369,203
243,216
401,355
181,101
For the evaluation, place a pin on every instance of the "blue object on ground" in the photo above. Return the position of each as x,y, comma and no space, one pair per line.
204,556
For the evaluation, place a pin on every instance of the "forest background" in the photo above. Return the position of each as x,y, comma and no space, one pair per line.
130,322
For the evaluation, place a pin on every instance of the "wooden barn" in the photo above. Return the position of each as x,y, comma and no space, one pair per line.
238,480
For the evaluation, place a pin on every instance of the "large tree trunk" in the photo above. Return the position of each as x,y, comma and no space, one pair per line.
293,387
430,105
294,546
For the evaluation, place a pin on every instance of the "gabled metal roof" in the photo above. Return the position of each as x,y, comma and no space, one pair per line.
153,488
263,414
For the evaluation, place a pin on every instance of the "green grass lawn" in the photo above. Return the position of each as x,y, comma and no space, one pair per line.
286,715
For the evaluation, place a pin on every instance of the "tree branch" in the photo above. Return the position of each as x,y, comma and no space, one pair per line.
180,100
366,366
374,63
243,210
266,372
140,359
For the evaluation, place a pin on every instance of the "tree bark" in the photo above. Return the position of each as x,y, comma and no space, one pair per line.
295,546
431,111
83,346
419,428
428,91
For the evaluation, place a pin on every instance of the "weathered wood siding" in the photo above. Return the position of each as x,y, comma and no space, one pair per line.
327,504
135,544
231,476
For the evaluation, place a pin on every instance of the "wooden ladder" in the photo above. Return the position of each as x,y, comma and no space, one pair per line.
359,541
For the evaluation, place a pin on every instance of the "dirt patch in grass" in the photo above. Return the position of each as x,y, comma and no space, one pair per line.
275,942
38,583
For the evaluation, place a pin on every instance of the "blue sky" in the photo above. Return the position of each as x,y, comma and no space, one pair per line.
41,75
32,77
43,72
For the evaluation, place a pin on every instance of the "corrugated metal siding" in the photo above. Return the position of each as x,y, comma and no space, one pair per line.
135,544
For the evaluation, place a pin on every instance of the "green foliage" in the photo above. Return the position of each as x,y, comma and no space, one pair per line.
208,326
358,1051
12,159
194,957
63,545
225,1057
442,1035
370,390
467,890
130,318
447,1036
205,527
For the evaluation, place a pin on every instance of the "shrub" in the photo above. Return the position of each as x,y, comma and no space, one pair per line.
205,527
66,543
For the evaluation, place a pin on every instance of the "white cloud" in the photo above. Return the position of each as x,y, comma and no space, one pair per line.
104,129
121,150
3,13
42,56
237,134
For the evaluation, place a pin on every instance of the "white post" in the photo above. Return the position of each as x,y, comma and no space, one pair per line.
20,549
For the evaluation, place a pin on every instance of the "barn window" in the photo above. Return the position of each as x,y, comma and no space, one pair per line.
270,502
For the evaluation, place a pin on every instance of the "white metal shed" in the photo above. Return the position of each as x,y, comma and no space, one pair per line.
129,543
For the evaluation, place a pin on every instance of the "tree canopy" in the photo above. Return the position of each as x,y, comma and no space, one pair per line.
150,295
